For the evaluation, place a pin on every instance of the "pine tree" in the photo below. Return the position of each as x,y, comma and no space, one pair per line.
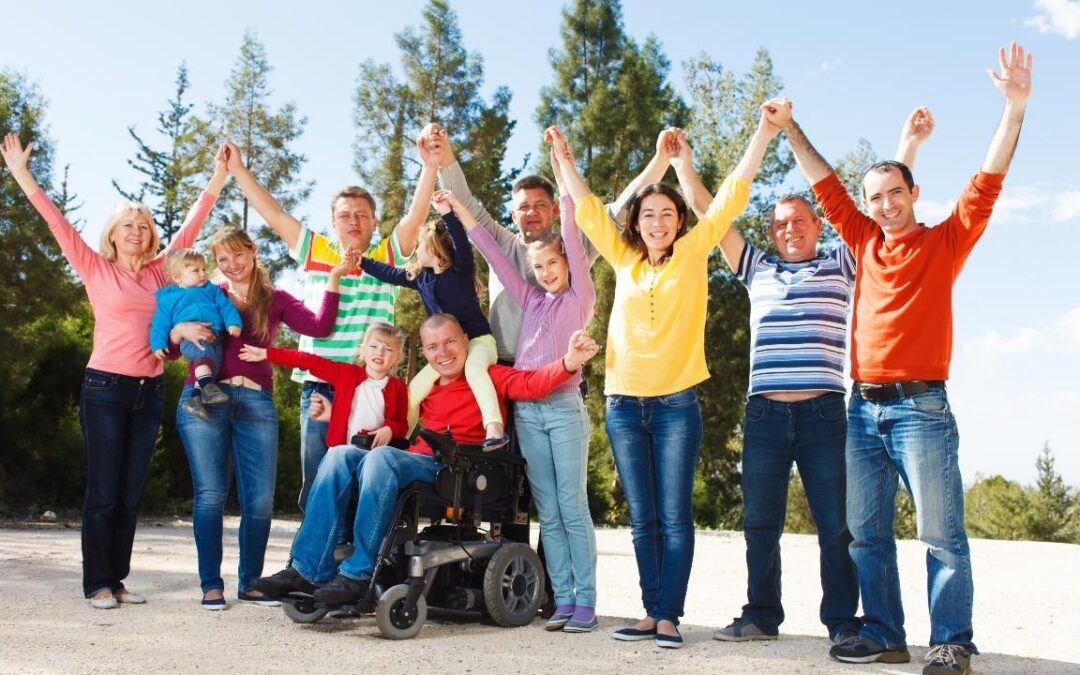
265,138
172,175
1050,502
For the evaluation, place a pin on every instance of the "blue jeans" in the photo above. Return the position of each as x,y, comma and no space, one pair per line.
312,438
655,441
120,417
209,356
554,436
244,432
913,438
379,474
811,434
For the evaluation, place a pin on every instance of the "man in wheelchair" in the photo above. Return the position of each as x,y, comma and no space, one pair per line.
380,474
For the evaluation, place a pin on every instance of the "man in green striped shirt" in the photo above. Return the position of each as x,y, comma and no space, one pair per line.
364,299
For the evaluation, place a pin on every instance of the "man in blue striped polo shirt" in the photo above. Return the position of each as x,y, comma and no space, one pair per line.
795,411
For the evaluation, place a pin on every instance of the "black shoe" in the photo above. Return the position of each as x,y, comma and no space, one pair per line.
864,650
342,591
284,582
194,407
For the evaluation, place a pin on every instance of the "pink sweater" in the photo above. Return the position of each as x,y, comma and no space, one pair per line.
122,301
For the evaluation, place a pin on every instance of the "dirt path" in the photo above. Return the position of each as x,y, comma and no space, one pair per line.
1027,616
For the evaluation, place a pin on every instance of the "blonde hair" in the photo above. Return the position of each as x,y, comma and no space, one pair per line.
178,259
384,331
107,248
442,247
261,292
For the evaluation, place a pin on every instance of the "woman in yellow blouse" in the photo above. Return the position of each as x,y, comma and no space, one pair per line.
655,355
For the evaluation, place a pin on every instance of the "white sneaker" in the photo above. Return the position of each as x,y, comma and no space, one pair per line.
103,600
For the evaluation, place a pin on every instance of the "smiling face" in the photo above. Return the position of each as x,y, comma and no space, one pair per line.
236,263
795,230
549,266
354,222
445,348
381,355
534,212
658,223
890,202
132,234
192,276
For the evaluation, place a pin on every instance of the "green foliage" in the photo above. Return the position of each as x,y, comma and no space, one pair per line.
1050,503
995,508
171,174
265,138
797,519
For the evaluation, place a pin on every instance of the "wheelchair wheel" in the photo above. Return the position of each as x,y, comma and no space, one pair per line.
392,622
302,610
513,585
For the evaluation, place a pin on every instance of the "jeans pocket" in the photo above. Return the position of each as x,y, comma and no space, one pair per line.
756,409
679,399
613,402
831,408
933,402
99,381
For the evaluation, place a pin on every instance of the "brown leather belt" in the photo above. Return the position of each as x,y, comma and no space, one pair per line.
885,391
241,381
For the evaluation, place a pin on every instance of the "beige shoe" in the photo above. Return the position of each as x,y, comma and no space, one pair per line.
103,600
124,595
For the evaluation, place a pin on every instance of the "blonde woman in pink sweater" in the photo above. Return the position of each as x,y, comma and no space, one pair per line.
123,392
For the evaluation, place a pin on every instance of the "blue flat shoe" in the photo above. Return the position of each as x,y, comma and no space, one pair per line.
634,634
263,600
669,641
215,605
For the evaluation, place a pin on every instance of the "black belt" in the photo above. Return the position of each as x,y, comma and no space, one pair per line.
885,391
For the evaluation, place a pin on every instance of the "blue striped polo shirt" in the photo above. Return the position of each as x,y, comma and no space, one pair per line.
798,320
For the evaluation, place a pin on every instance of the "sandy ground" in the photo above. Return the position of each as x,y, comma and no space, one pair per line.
1027,616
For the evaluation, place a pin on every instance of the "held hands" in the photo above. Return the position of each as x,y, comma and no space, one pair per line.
252,354
349,262
319,410
581,349
234,161
234,331
1015,78
433,144
559,146
918,126
444,202
777,112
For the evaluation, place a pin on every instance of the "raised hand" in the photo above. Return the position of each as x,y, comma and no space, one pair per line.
682,155
556,168
252,354
918,126
233,159
1015,78
430,144
667,144
581,349
777,112
444,202
15,156
554,135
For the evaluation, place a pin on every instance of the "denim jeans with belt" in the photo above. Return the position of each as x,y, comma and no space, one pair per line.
811,435
312,437
912,438
242,431
120,416
554,437
656,440
379,475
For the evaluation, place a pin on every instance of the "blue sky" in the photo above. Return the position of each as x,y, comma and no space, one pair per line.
854,70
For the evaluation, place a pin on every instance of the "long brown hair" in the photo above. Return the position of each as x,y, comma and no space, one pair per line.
631,233
261,291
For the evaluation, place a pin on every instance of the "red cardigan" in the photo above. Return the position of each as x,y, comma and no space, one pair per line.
346,377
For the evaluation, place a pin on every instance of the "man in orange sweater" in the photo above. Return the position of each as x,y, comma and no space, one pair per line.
382,472
899,421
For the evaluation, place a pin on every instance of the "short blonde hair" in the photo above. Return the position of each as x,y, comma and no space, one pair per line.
178,259
383,331
107,249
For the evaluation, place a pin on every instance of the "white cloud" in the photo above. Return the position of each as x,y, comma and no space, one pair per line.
1066,206
1021,204
824,68
1056,16
933,212
1060,337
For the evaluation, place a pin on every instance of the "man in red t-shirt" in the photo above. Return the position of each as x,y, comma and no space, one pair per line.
899,421
382,472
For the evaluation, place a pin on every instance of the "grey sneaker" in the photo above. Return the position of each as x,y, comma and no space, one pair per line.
864,650
947,660
741,630
194,407
211,394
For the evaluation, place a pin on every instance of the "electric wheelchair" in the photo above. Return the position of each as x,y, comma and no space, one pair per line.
452,565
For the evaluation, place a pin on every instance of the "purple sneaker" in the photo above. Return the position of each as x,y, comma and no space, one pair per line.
563,613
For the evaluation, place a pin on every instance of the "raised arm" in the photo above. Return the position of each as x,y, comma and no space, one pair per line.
577,257
652,173
682,161
286,227
188,233
811,163
17,160
408,228
917,128
383,272
1015,83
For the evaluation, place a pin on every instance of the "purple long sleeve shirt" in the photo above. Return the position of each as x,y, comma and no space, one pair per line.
283,309
548,319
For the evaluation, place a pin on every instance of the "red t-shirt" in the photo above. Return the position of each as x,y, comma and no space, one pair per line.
901,328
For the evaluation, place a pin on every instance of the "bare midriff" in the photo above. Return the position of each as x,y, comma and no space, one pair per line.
793,396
